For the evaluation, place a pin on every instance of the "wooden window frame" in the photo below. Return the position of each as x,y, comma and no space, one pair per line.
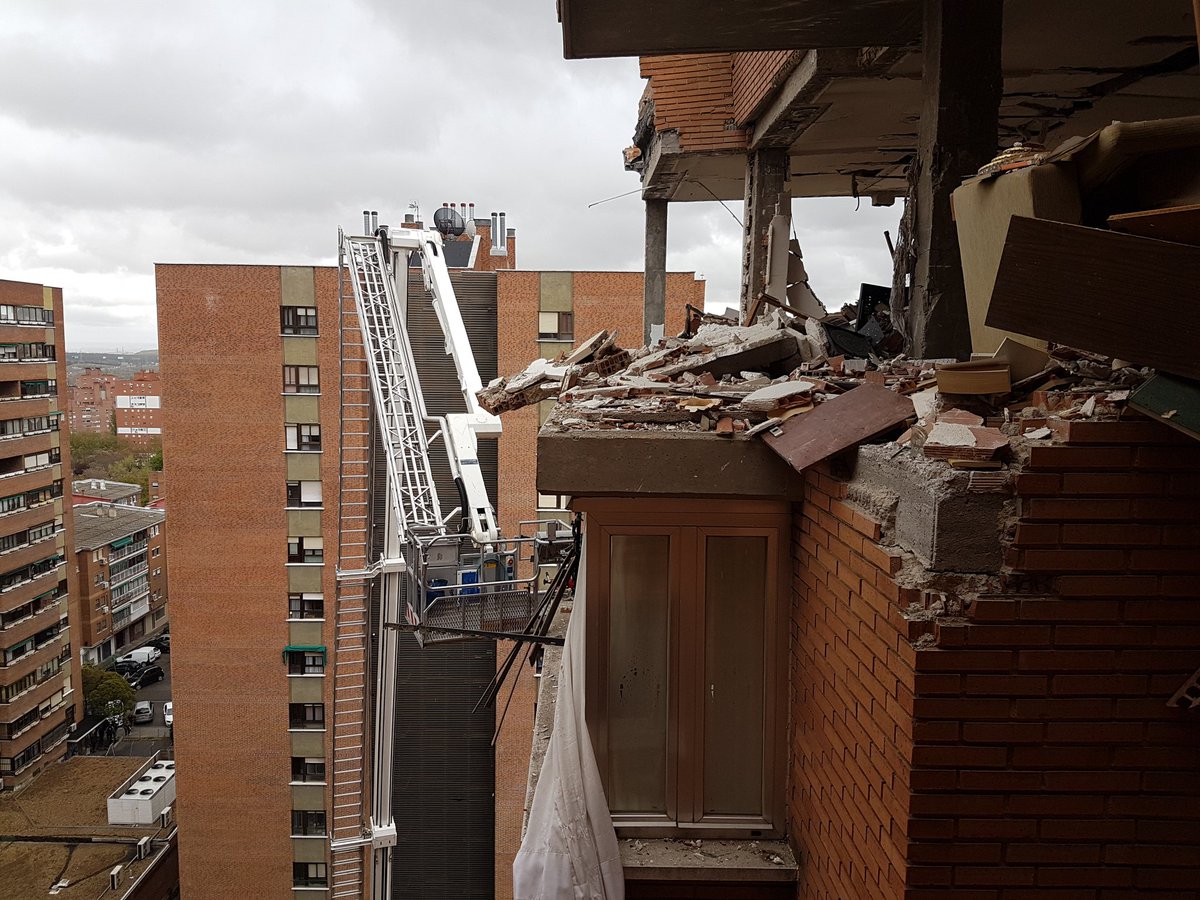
689,523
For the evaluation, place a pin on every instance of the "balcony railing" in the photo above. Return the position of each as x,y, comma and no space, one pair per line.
126,574
126,551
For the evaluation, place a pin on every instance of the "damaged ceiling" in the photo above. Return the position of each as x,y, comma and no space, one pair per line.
850,119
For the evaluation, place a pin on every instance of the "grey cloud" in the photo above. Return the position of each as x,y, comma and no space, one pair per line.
247,133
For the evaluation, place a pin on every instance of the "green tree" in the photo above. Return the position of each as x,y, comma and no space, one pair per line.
106,693
92,453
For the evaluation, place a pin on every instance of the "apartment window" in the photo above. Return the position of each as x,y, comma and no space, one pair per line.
687,643
309,875
38,460
306,715
308,822
306,550
305,662
306,606
303,493
308,768
155,551
44,388
26,315
12,504
301,380
298,319
303,437
556,326
551,501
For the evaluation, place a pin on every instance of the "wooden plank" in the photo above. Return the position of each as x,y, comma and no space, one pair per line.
838,424
1173,401
1180,224
1126,296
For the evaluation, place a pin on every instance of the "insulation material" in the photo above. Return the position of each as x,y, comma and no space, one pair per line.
570,849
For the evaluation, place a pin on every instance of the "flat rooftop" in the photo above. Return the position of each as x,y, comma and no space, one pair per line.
57,829
103,489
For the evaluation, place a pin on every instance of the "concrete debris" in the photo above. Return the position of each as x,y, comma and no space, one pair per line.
740,382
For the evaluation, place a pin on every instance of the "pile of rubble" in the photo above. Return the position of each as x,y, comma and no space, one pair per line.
741,380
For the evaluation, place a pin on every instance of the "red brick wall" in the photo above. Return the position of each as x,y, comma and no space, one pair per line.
1048,757
851,681
693,94
1044,761
755,77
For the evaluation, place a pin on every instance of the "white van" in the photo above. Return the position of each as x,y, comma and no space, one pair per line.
144,655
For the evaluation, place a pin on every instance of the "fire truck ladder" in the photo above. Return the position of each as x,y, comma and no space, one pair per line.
442,585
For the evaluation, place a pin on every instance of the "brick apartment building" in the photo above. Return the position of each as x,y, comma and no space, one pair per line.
270,325
122,570
130,407
92,490
90,404
38,671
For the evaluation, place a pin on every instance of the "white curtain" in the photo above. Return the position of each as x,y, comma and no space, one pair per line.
570,848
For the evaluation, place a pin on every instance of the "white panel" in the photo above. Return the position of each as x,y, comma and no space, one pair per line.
310,492
138,401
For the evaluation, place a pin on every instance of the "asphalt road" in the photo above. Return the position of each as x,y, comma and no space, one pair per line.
146,739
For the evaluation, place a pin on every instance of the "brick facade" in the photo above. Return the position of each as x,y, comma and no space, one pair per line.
693,95
1014,743
39,607
756,75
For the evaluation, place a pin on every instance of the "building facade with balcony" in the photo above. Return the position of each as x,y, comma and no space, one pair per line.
270,343
38,673
121,563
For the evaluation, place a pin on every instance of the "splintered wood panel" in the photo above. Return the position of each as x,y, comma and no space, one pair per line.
1175,223
594,28
837,424
1117,294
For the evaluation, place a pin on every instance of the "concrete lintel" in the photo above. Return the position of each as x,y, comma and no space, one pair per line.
679,464
928,510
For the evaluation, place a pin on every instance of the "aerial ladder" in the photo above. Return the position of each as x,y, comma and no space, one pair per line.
440,580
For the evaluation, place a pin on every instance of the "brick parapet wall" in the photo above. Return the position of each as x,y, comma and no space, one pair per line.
756,76
1044,761
693,95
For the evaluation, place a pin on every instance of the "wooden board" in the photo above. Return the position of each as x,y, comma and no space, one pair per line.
1173,401
1175,223
1118,294
837,424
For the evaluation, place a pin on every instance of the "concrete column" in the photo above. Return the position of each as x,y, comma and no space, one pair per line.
962,83
766,191
654,310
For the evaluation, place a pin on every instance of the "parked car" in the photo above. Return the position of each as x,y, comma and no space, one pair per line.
141,654
124,667
143,711
148,675
162,643
169,714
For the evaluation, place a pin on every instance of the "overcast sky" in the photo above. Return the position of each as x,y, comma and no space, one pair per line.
140,132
